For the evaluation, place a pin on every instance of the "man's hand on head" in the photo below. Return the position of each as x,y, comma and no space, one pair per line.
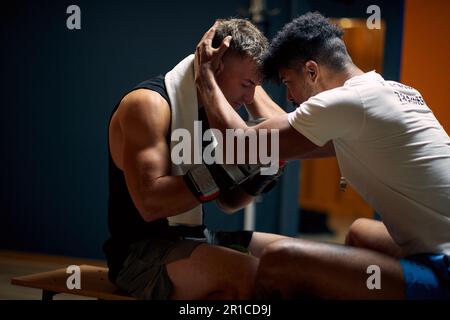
207,58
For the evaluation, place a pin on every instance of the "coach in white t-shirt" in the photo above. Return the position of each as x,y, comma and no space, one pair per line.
390,148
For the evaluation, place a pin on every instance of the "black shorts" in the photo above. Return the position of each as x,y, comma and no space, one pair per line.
144,274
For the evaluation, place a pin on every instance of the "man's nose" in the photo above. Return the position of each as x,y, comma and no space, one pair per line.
289,96
249,96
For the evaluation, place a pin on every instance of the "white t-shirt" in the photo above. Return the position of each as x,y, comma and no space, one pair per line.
392,150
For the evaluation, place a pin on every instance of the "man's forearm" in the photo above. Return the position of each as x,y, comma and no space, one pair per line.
321,152
263,106
221,114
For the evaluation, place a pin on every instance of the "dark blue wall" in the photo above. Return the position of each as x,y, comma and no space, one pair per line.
58,88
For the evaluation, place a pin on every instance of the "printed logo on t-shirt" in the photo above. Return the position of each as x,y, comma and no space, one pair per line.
408,96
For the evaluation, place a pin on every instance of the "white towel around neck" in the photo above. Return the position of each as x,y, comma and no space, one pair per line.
182,92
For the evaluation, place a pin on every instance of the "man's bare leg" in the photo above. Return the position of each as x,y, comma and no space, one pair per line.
260,240
297,268
213,272
372,234
223,273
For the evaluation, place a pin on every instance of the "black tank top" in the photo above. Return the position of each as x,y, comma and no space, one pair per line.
125,223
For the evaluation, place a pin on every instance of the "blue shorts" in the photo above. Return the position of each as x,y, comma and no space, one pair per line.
426,276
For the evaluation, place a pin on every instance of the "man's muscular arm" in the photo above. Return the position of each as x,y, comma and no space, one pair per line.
263,106
145,123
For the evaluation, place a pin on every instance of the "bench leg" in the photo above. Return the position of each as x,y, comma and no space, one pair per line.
47,295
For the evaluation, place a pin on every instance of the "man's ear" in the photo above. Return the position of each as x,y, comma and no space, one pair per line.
312,70
220,68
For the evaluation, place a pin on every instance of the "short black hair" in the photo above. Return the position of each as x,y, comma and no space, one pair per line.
310,36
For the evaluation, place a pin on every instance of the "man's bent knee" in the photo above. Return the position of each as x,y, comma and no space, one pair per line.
356,232
270,282
213,272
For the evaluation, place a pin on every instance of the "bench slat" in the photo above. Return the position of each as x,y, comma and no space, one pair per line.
94,283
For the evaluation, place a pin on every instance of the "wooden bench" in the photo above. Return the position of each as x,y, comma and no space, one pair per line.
94,284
